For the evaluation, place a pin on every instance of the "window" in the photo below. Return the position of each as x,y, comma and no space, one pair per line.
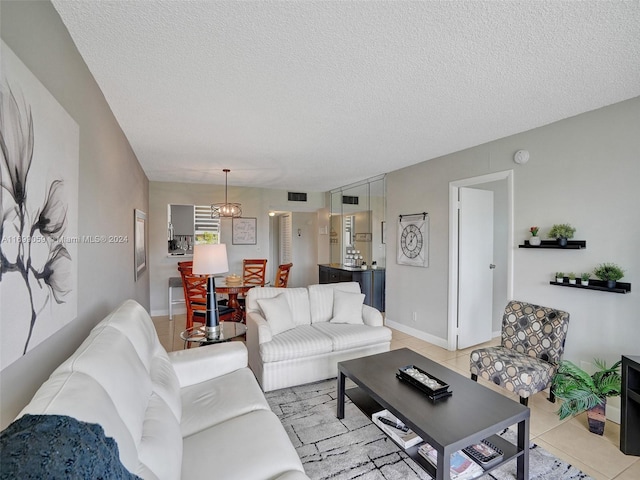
207,229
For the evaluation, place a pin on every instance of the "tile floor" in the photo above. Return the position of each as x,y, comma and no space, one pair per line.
569,439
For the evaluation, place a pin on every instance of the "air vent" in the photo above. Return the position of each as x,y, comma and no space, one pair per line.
297,196
349,200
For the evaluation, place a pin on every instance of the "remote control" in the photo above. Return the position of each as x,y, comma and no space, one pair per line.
391,423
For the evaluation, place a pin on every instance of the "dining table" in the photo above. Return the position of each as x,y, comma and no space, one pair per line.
232,291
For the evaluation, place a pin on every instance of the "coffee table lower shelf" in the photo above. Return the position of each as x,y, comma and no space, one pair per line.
369,406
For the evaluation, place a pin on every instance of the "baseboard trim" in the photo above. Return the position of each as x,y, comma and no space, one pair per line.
440,342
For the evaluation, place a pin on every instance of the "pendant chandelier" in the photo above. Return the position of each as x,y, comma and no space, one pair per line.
226,209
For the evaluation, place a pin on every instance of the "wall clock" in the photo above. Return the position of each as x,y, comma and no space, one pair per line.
413,239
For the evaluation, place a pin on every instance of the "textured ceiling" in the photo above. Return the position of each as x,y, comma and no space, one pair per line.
313,95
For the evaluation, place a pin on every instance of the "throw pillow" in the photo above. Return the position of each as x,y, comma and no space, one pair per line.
347,307
277,313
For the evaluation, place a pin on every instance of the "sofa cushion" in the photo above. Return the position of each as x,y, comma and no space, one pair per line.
347,307
219,399
321,299
298,299
249,447
345,336
302,341
277,313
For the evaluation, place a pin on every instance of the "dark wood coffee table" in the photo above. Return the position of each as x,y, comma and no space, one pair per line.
472,413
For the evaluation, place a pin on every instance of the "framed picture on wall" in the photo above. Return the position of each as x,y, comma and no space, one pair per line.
244,231
139,242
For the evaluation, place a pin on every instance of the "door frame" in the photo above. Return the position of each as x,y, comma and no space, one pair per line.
452,321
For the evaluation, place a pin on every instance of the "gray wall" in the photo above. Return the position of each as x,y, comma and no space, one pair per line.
111,185
584,171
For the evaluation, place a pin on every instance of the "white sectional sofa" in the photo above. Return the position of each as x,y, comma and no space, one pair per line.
191,414
298,335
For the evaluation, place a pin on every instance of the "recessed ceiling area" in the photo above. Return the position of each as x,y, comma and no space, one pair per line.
315,95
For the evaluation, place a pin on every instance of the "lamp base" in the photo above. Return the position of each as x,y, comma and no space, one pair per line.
212,333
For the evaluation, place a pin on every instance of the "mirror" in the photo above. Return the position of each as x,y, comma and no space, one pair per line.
180,228
357,216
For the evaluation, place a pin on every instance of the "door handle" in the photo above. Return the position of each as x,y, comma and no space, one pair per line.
492,266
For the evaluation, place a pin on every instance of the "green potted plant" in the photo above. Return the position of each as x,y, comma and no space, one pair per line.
583,392
562,232
535,239
572,278
609,272
559,277
584,279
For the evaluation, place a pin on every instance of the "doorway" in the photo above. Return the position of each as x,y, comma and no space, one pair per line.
503,250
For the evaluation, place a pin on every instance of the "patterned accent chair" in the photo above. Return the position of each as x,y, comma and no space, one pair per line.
532,346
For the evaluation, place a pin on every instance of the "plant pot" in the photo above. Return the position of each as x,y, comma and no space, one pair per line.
562,241
596,418
611,284
572,281
559,280
535,241
584,282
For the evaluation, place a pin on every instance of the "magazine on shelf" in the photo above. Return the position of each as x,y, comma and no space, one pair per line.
461,468
397,430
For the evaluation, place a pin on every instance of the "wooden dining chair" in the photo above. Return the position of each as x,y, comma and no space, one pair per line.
254,271
282,275
195,295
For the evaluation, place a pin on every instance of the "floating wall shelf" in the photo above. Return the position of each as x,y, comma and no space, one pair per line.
571,245
600,285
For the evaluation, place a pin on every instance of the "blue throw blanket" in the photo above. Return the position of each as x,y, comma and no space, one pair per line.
58,447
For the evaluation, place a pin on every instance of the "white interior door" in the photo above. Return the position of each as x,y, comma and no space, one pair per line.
475,269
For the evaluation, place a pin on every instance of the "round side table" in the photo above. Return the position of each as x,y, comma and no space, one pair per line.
228,331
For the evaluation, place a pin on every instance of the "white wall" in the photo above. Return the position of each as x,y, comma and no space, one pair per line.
111,185
584,171
256,202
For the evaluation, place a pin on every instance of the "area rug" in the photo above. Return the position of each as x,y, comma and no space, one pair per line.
355,448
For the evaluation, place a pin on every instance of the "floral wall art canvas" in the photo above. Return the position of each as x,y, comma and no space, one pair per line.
39,156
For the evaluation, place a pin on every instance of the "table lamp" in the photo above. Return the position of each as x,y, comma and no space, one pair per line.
210,260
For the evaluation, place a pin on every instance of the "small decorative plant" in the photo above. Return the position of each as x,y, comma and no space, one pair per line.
572,277
534,231
559,277
562,230
583,392
608,271
585,278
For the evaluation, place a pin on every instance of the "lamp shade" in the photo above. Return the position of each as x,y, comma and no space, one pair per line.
210,259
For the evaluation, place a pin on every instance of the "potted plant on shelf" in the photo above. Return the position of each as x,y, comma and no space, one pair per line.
583,392
584,279
559,277
562,232
609,272
535,239
572,278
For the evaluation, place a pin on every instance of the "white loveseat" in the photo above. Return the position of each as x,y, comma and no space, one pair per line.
191,414
329,326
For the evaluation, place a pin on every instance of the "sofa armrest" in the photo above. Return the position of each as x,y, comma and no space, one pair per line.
372,316
259,328
197,365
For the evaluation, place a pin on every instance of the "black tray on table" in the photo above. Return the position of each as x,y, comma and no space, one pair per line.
412,375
